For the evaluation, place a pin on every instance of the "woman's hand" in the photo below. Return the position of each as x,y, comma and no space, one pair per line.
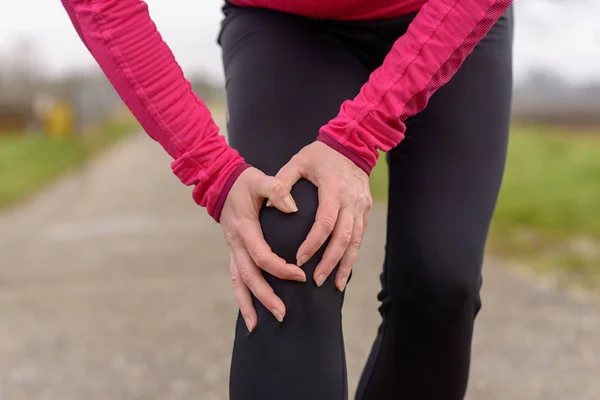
344,205
248,249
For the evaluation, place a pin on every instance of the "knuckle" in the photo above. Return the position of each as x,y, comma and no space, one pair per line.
312,245
345,238
246,276
329,264
345,267
278,188
279,267
259,260
230,236
365,200
235,281
327,223
336,190
256,256
298,159
356,241
266,297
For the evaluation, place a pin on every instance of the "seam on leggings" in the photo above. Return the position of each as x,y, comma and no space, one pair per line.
344,367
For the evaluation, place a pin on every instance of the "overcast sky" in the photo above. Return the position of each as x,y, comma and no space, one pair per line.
562,35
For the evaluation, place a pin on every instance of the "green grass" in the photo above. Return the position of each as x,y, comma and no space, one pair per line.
30,161
379,180
551,184
548,213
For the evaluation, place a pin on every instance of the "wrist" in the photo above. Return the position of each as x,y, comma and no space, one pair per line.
222,197
347,152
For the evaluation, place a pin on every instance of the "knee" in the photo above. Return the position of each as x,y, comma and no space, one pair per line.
442,283
285,232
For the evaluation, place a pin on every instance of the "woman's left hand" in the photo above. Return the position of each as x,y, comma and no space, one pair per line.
344,205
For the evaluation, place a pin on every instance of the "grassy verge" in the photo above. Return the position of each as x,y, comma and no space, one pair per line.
548,214
28,162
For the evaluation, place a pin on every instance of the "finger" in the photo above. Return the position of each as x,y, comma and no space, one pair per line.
340,240
325,221
349,258
262,255
291,172
243,296
253,279
278,195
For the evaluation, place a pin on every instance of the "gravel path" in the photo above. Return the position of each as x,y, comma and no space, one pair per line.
113,285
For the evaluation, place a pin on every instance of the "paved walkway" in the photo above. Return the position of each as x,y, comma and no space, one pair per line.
113,285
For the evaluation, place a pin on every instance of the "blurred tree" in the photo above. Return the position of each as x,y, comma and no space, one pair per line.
21,74
22,67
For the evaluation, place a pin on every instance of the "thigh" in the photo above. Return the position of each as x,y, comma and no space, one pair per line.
446,174
444,181
285,78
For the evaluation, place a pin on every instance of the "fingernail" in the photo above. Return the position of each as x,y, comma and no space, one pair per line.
320,280
343,283
302,260
278,315
248,324
290,204
269,203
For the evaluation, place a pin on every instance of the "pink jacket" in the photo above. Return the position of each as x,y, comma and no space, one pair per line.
125,43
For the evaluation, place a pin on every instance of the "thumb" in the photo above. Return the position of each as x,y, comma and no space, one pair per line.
278,195
291,172
285,179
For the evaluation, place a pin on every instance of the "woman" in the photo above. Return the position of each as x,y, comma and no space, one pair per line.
370,68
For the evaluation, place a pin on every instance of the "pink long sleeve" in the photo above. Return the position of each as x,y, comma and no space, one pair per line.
125,43
441,36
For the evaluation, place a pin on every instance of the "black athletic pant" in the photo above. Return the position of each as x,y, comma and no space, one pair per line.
286,76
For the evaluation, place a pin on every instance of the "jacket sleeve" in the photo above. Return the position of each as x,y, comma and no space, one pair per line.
126,44
441,36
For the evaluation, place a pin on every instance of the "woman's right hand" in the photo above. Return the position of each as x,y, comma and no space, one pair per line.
249,252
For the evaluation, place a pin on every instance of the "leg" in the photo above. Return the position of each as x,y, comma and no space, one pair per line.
444,181
285,78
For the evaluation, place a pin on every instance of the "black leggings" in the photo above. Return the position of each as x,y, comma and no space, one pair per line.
285,77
